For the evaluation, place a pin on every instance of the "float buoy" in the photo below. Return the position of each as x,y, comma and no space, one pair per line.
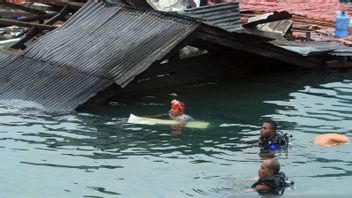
330,139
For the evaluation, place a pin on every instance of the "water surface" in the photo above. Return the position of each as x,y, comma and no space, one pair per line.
98,154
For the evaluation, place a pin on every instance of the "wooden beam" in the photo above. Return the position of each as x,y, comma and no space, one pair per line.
20,44
64,11
34,18
72,5
37,17
21,7
26,24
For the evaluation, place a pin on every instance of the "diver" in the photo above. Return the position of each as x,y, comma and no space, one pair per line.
271,180
271,140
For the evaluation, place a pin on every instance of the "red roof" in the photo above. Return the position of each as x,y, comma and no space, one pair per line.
315,9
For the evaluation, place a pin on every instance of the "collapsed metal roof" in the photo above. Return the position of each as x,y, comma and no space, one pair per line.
223,15
115,42
54,87
99,45
103,44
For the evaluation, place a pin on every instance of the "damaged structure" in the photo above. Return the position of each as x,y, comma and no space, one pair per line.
107,48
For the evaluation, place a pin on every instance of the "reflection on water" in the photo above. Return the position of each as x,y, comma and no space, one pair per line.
98,154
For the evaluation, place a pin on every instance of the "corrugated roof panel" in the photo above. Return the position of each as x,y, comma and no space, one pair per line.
115,42
4,55
223,15
53,87
99,45
307,48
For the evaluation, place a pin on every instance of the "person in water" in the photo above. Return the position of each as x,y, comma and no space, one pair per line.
271,180
177,112
271,140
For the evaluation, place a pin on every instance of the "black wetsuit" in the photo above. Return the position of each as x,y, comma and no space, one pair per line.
276,182
280,140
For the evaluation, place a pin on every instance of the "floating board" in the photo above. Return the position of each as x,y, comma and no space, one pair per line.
154,121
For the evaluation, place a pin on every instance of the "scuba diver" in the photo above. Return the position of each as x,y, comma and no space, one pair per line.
271,180
271,140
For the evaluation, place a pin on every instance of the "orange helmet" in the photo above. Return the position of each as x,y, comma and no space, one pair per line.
175,104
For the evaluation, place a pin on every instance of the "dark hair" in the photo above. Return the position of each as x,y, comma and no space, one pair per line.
272,123
274,165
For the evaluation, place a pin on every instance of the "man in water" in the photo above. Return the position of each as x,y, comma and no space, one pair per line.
177,112
271,180
271,140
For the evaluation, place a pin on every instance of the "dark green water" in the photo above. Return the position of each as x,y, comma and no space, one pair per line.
97,154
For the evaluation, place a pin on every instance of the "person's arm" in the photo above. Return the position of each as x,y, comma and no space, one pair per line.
262,188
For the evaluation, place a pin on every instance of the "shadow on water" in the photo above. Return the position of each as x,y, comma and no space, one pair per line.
99,154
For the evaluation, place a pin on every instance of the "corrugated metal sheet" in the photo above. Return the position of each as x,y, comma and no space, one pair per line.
343,51
4,54
99,45
307,48
54,87
114,42
223,15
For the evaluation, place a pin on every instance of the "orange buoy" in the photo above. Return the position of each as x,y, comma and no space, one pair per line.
330,139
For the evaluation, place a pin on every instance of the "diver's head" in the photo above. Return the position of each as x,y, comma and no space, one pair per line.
268,129
269,168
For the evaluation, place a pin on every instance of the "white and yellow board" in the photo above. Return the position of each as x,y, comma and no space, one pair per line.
155,121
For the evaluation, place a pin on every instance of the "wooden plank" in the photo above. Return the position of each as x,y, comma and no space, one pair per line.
37,17
10,22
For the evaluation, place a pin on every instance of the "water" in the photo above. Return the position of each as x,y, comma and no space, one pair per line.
97,154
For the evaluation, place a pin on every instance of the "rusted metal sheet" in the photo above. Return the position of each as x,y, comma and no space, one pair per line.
223,15
99,45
